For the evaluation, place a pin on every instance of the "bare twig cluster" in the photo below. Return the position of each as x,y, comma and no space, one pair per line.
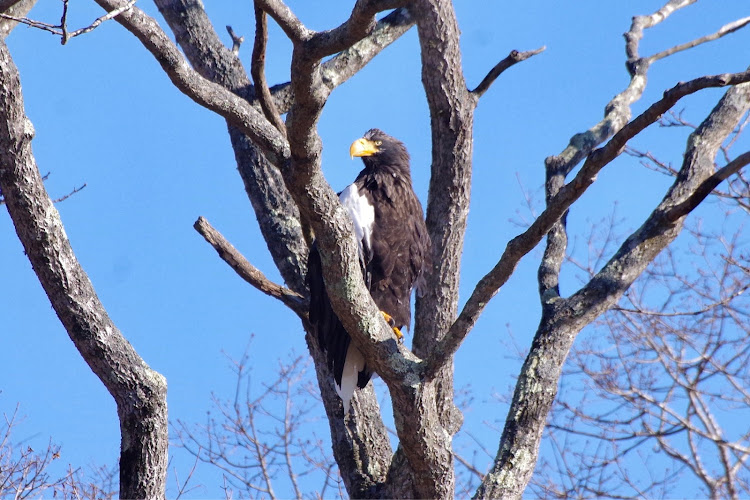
658,380
256,438
61,29
25,472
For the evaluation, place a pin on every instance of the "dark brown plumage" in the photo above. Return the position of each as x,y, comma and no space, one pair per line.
394,244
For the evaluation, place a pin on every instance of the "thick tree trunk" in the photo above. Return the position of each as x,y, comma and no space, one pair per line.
139,391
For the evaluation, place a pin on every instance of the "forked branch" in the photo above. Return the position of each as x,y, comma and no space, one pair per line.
62,29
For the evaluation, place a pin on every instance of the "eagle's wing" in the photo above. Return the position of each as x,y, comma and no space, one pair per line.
346,361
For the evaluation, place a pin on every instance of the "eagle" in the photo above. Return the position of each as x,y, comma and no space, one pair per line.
394,251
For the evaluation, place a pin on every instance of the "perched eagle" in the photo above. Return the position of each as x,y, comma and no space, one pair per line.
394,248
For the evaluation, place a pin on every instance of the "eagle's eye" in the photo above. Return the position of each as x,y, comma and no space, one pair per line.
378,143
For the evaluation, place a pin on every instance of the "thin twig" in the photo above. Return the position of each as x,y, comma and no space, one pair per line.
724,30
247,271
61,29
182,486
74,191
105,17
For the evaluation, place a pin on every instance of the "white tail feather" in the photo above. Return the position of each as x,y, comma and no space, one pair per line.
354,363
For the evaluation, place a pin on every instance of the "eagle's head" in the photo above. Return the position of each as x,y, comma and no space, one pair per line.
379,150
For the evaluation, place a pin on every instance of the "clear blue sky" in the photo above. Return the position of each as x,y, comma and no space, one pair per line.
154,161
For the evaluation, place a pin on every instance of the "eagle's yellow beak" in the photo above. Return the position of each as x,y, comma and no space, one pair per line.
363,147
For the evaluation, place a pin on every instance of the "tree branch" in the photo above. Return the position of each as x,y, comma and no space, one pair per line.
513,58
724,30
258,72
202,91
248,272
286,19
236,40
702,191
361,22
62,28
519,246
563,319
139,391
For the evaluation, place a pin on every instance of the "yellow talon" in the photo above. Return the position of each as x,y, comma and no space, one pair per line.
389,319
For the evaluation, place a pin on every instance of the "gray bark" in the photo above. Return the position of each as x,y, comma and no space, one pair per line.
15,8
139,391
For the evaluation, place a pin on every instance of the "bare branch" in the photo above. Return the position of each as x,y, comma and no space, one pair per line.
248,272
519,246
62,28
361,22
513,58
207,94
258,72
65,197
724,30
286,19
56,200
236,40
702,191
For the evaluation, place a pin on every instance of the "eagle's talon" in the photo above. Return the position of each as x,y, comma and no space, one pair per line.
392,323
399,335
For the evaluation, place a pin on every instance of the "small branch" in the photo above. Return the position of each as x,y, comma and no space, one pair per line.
724,302
62,29
112,14
52,28
513,58
707,186
57,200
64,23
257,70
236,40
724,30
469,466
63,198
248,272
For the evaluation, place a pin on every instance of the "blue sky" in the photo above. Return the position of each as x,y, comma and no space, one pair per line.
154,161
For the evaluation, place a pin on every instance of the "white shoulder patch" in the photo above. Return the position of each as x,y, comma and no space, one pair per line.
361,212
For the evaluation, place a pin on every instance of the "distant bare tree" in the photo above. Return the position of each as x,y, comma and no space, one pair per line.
656,395
24,472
